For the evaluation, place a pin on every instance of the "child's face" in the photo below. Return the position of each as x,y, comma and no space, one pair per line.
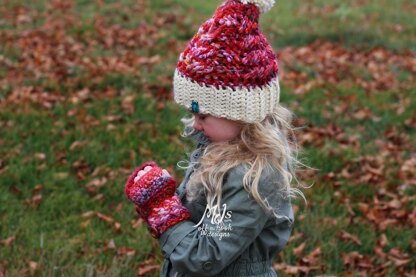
215,128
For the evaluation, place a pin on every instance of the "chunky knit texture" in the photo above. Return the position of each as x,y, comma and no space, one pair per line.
230,62
154,196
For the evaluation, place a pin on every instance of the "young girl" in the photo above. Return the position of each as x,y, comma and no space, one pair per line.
231,214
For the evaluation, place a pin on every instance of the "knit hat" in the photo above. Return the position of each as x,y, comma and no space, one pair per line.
229,68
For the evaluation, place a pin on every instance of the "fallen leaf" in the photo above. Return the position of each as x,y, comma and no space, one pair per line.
343,235
295,270
8,241
111,244
40,156
298,251
147,267
89,214
398,257
125,251
36,198
94,185
128,104
85,224
77,144
33,267
313,257
117,227
135,223
105,218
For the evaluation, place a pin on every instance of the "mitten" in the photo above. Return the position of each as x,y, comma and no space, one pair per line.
152,190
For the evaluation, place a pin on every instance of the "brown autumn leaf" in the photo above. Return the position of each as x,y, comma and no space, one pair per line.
80,96
125,251
85,224
149,60
298,251
110,245
88,214
95,184
363,114
77,144
347,203
412,217
407,171
40,156
394,204
105,218
387,209
338,65
128,104
296,236
117,227
398,257
148,266
413,245
294,269
314,257
378,250
380,244
343,235
81,168
33,267
36,198
99,197
411,122
308,86
8,241
356,260
383,241
329,221
113,118
136,223
384,224
350,258
119,207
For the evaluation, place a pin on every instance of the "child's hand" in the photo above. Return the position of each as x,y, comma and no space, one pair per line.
152,190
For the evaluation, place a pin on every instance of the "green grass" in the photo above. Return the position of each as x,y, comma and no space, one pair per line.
110,120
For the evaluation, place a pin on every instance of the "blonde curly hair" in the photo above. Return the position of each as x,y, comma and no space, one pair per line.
269,143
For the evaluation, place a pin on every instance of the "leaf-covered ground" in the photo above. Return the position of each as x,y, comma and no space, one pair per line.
85,96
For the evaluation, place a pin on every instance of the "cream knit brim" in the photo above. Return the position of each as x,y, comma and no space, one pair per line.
248,105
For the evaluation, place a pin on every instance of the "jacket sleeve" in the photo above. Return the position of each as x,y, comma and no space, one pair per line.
205,254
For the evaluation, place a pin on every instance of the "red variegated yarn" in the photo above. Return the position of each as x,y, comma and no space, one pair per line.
229,50
164,216
154,196
229,63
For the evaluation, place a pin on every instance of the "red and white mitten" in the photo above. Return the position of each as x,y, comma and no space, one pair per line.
152,190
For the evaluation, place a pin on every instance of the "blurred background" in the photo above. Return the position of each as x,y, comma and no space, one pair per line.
86,95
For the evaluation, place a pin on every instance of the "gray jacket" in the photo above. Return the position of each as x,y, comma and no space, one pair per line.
239,241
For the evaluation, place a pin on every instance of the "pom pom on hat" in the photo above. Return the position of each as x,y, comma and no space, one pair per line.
229,69
263,5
